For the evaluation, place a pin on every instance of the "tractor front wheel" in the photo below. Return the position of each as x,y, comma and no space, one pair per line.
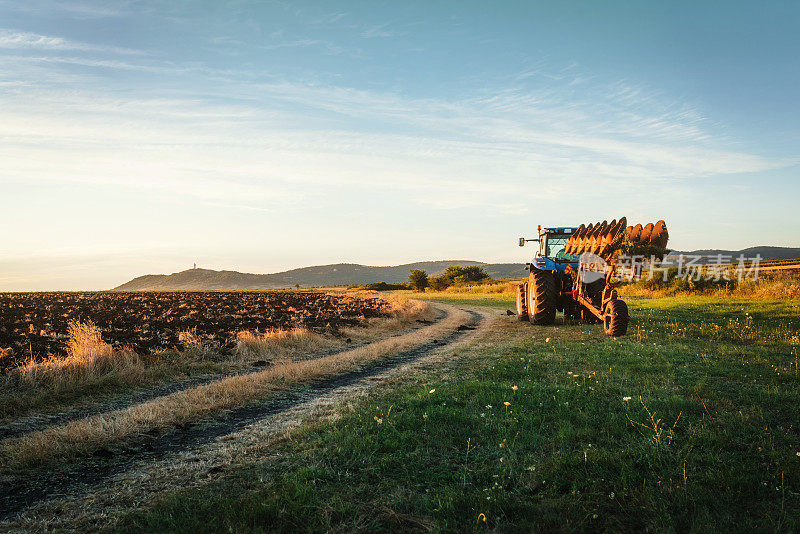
615,319
542,297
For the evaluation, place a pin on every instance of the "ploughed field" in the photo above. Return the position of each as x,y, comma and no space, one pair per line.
36,324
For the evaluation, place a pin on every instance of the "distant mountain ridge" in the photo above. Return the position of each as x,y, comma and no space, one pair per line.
321,275
351,273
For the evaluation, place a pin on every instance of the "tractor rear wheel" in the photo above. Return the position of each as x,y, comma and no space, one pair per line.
542,297
522,303
615,319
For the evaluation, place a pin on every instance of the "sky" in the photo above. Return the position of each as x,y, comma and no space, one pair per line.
143,137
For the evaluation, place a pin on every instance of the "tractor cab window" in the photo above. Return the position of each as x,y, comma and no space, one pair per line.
554,246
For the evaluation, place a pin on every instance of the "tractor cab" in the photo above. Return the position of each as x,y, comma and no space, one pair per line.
553,241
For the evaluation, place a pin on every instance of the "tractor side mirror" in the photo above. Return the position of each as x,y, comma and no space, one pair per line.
522,241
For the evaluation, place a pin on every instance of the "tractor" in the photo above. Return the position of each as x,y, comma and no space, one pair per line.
574,272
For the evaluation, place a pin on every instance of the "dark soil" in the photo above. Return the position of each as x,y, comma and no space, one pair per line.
34,325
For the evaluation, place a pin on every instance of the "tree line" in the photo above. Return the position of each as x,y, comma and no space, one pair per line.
454,275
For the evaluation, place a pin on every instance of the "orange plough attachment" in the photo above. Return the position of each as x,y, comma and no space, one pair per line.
604,238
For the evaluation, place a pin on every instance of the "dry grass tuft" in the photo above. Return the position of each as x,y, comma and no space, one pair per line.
88,357
401,307
277,346
86,435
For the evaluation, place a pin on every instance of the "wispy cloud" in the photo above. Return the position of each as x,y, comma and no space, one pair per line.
98,63
380,30
27,40
331,18
74,9
446,155
328,46
257,143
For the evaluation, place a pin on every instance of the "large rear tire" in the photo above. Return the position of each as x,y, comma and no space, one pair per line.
615,319
522,303
542,297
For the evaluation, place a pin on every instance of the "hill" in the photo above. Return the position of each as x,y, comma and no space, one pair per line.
322,275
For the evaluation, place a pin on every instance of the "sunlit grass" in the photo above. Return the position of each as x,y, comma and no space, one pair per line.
474,298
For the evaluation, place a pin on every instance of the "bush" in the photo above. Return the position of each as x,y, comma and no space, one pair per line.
455,275
436,283
418,279
383,286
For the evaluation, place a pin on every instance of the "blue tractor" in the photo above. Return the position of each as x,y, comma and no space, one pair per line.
568,275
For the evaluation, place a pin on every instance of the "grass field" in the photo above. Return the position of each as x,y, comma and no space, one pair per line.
688,423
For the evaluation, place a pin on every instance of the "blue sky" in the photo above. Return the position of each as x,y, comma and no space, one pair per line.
260,136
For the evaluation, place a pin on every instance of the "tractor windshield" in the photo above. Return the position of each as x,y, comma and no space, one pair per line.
555,246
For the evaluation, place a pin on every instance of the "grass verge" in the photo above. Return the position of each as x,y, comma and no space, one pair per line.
500,301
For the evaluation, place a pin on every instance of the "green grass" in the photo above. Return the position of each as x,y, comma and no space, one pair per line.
493,300
708,440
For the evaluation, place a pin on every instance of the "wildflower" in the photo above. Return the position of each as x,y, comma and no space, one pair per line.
425,415
378,420
547,340
625,399
515,388
798,454
507,403
431,391
488,406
